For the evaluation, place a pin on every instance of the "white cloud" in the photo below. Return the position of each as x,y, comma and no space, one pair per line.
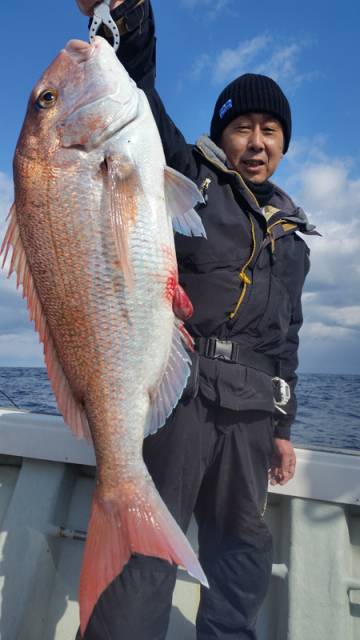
333,318
261,54
327,185
21,349
233,62
212,7
200,64
6,196
19,344
326,189
323,331
282,66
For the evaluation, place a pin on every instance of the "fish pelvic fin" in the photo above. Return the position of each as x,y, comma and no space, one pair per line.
165,398
72,411
118,528
181,195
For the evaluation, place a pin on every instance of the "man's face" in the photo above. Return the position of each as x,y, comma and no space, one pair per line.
253,144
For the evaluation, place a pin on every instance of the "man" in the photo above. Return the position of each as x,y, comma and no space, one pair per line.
230,427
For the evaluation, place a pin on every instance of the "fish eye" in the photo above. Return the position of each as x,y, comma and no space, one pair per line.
47,98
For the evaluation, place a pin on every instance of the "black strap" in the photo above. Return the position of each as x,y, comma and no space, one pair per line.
233,352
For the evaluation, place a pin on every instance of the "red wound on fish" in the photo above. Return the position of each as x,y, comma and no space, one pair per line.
182,306
171,284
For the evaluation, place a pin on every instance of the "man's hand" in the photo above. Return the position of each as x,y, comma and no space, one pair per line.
283,462
87,6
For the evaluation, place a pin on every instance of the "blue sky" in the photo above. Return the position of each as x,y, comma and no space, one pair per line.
311,49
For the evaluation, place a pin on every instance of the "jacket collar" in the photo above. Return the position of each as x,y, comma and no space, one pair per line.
280,200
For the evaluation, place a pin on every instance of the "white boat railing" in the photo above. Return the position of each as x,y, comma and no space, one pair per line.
315,521
319,475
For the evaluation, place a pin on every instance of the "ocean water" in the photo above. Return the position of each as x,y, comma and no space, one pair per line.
328,413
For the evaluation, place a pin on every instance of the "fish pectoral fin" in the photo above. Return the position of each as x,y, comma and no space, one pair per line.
125,524
124,185
73,413
173,382
181,195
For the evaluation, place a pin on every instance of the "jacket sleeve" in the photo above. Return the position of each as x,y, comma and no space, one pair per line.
137,52
289,358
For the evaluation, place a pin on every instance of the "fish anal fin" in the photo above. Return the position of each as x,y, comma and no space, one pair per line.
165,398
181,195
119,527
71,410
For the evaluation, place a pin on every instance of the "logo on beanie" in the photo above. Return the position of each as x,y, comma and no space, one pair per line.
228,104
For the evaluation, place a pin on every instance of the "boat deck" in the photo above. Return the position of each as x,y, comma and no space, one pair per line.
46,481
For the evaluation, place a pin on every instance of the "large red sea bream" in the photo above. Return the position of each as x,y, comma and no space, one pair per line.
92,245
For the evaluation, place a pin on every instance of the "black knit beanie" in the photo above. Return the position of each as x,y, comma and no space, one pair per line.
251,93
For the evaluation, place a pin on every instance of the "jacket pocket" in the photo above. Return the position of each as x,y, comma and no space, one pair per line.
236,387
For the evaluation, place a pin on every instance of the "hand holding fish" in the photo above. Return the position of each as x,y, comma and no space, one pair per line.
87,6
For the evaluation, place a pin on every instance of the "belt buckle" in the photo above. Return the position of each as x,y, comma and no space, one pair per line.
210,348
223,350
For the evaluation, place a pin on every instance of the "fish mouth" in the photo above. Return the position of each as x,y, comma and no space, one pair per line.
101,100
88,107
80,50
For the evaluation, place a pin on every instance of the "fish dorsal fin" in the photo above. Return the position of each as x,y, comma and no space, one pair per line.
173,381
72,411
181,195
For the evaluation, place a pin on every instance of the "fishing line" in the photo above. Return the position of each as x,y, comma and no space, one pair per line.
12,402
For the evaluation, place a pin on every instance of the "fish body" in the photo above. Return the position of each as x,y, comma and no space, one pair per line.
91,234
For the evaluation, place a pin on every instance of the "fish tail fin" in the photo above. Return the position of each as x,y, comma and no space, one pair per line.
119,528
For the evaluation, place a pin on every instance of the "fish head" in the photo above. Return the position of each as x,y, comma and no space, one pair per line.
81,100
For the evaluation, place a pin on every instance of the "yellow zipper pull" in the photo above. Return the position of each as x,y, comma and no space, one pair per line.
245,278
272,239
272,245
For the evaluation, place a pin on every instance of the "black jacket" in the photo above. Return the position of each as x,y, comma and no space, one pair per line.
245,280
